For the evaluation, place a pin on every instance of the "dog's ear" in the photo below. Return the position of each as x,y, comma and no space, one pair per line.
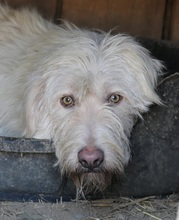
151,69
146,71
35,106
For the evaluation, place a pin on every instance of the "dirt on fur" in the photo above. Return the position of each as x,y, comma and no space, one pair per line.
148,208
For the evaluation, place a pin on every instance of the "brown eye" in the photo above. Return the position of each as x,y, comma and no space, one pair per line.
67,101
115,98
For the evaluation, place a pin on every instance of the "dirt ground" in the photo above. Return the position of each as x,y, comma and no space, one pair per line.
149,208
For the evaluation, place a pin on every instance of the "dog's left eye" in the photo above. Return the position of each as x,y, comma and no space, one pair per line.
115,98
67,101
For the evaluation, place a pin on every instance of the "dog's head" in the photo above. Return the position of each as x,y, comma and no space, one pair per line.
89,87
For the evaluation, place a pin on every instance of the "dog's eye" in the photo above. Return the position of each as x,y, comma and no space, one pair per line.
67,101
115,98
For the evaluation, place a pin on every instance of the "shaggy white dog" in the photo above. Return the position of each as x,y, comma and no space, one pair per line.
80,88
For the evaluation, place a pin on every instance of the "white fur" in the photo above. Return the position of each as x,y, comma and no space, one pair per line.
41,62
177,217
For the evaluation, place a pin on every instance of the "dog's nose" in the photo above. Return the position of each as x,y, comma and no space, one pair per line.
90,157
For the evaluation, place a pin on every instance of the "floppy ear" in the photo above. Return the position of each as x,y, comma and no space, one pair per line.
34,106
151,69
145,71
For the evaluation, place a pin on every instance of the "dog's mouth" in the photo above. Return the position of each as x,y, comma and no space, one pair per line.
90,181
89,169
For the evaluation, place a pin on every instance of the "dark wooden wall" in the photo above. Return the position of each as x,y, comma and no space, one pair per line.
156,19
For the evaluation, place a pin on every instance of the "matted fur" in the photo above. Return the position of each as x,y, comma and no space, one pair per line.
40,63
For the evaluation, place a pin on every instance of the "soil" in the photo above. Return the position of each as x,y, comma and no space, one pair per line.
148,208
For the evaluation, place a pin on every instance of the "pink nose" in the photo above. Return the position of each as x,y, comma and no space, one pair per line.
90,157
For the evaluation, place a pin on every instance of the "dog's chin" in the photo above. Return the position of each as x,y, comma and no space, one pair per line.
88,182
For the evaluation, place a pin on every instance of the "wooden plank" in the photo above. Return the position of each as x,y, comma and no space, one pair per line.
137,17
45,7
167,19
174,36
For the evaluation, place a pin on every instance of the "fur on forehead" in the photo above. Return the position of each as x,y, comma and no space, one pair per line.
83,56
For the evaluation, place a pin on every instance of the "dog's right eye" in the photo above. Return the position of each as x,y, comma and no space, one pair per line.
67,101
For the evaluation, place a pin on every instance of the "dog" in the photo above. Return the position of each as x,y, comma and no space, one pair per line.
81,88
